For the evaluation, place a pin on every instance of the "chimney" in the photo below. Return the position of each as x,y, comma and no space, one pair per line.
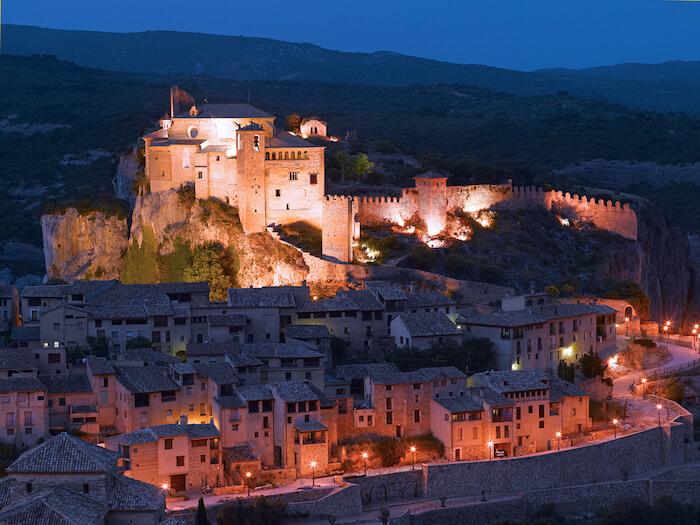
183,420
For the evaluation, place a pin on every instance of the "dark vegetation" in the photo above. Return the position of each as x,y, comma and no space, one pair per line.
474,355
258,511
530,247
386,451
302,235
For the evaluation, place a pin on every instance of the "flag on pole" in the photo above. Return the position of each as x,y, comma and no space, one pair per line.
180,100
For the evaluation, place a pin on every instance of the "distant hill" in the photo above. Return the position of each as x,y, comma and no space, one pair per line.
674,86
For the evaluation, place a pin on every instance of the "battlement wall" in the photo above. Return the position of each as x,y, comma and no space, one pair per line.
608,215
387,210
477,197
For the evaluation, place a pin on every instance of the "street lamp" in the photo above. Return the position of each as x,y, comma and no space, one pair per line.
658,409
489,444
313,473
248,475
695,333
627,326
413,452
615,422
365,455
558,435
644,386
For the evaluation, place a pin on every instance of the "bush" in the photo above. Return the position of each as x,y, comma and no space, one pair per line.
592,365
475,355
646,343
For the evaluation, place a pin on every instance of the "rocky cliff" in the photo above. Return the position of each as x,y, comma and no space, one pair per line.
664,259
128,171
88,245
262,260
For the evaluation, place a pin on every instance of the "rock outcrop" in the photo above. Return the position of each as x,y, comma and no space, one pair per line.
262,260
128,170
665,273
79,246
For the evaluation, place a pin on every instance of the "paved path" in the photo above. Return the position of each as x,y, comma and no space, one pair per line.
680,355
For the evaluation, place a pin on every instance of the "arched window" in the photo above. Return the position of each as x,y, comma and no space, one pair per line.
292,155
306,155
267,155
299,154
286,155
274,156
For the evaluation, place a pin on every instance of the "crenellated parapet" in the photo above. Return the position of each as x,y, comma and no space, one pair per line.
609,215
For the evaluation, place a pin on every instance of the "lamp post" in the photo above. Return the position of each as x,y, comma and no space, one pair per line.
627,326
365,455
615,422
489,444
658,409
558,435
695,333
413,453
644,387
313,473
248,475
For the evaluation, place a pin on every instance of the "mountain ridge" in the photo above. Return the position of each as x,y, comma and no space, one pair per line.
258,58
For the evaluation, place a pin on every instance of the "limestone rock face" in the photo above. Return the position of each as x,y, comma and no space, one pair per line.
83,246
665,273
262,260
127,172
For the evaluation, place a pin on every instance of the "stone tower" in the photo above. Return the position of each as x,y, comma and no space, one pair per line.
340,227
432,201
251,178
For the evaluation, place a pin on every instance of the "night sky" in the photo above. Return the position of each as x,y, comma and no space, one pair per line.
519,34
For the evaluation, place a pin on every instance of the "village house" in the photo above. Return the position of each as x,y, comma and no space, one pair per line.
9,310
315,335
543,405
71,405
424,330
23,411
66,480
178,457
304,434
542,336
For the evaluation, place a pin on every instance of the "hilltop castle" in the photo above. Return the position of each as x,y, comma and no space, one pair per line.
233,152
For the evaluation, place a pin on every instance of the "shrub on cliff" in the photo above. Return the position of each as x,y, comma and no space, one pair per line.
475,355
172,266
141,260
208,266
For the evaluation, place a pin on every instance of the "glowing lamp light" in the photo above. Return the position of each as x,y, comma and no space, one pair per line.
558,434
612,361
627,319
165,486
413,449
644,380
564,221
659,406
248,475
568,351
489,443
696,326
615,421
313,464
365,455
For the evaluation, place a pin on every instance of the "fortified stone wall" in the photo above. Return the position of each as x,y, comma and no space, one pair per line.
339,214
344,501
477,196
614,460
607,215
386,210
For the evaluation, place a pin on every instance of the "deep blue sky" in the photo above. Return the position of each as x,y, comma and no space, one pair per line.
521,34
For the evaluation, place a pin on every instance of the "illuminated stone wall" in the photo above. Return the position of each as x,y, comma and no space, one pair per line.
339,214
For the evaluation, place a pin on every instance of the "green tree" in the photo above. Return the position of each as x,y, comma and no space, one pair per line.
592,365
174,265
202,518
293,122
360,165
141,260
551,290
208,266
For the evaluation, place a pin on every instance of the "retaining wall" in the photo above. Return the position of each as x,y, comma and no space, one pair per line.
389,487
613,460
343,501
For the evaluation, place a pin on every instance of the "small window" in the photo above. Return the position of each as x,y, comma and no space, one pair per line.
192,131
278,193
293,175
313,178
86,488
180,461
168,444
28,487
